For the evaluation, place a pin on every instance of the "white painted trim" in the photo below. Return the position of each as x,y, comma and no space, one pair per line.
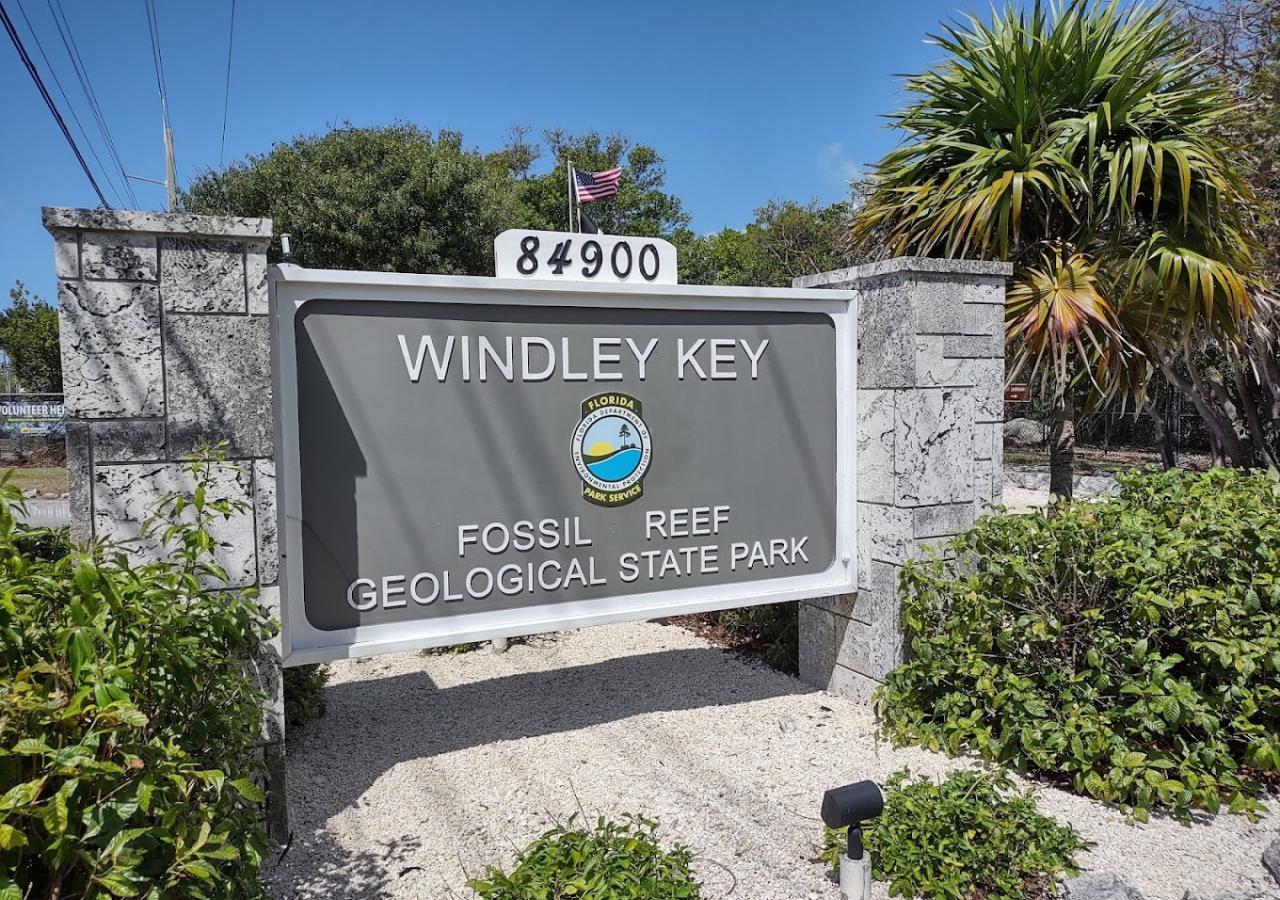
292,287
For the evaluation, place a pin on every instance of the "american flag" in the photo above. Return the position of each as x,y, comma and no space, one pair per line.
596,185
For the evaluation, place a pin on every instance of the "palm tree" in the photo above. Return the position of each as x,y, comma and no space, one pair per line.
1076,141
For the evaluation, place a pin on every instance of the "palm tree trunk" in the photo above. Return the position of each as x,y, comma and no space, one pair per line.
1217,459
1257,434
1168,459
1062,444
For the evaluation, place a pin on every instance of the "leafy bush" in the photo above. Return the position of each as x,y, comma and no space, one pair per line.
613,861
127,721
1129,648
47,544
304,694
971,835
773,629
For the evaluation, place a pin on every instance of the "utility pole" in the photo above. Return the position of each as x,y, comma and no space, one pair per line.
170,168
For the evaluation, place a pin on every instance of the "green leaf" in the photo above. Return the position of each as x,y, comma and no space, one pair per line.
120,882
10,839
86,575
21,794
199,869
31,747
247,789
55,814
145,791
79,650
1133,759
224,851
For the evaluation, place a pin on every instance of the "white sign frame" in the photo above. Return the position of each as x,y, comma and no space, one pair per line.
291,287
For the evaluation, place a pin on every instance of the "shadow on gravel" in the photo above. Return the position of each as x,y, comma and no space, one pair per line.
373,725
336,873
408,717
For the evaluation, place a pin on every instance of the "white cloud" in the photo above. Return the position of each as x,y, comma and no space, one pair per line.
835,166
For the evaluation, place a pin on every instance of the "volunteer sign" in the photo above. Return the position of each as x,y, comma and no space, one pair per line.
32,414
465,458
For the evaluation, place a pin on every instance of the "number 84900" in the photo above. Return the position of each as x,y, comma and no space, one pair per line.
591,257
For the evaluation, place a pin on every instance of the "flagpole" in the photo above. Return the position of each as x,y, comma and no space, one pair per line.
569,171
577,204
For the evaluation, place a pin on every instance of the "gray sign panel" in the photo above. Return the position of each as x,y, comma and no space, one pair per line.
472,457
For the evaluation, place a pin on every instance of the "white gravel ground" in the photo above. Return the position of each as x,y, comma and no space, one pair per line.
1018,499
427,768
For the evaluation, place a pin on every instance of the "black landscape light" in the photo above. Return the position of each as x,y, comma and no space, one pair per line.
849,807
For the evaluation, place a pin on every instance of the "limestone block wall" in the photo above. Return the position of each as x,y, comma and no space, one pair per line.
165,345
930,409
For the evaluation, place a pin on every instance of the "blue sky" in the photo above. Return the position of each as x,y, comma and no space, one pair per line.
746,100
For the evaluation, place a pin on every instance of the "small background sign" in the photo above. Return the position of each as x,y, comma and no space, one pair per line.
42,414
599,258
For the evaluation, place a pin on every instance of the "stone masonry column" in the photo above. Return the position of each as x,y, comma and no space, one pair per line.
930,405
164,332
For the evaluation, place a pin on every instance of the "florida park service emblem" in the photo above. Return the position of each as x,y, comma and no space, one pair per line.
611,449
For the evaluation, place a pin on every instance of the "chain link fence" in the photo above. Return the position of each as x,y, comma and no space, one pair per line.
1127,429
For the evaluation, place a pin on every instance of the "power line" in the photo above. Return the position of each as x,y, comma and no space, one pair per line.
86,85
157,58
44,93
226,94
70,106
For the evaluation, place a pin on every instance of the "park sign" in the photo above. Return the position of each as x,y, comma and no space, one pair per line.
466,458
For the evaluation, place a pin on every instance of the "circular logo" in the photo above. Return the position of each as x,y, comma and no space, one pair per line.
611,448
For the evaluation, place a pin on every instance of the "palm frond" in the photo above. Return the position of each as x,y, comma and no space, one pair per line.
1054,126
1076,140
1056,309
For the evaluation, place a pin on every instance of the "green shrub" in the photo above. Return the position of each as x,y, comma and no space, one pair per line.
47,544
127,720
1128,648
772,629
304,694
613,861
971,835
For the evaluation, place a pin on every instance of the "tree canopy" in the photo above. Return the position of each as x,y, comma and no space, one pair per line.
399,198
785,240
394,198
29,334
